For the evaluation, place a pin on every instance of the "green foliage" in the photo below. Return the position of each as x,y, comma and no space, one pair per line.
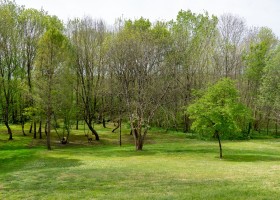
141,24
256,61
258,55
270,88
218,110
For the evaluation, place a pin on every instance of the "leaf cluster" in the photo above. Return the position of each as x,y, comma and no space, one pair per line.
218,109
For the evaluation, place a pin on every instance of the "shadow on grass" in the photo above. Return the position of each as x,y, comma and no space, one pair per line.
50,162
251,158
28,160
193,151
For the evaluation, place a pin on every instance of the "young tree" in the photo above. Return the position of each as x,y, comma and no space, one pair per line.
64,100
218,111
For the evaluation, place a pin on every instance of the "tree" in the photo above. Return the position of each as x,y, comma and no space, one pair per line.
32,26
270,86
50,58
138,53
87,37
255,61
64,102
193,38
9,56
229,47
218,111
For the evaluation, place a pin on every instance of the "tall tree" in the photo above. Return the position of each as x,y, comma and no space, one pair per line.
32,26
193,37
64,102
49,59
138,52
9,57
229,48
269,96
255,61
87,37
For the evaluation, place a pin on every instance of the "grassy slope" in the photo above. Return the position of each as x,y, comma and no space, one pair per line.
170,167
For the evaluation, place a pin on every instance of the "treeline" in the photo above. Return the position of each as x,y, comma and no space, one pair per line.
145,73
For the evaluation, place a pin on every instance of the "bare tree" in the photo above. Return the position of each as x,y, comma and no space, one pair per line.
228,59
138,52
87,37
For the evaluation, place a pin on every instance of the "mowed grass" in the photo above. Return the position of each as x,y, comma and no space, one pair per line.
171,166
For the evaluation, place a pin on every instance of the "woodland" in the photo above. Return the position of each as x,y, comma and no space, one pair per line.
199,74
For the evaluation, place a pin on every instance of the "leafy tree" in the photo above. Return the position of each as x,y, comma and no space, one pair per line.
64,101
270,86
255,61
9,56
50,58
32,27
218,111
193,36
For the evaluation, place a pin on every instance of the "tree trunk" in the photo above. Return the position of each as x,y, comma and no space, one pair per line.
267,125
9,131
46,131
22,128
93,131
220,145
135,136
35,131
30,130
77,102
49,132
187,123
139,144
77,124
249,129
49,114
276,126
40,129
29,75
120,125
103,122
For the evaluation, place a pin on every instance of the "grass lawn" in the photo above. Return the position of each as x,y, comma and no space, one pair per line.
171,166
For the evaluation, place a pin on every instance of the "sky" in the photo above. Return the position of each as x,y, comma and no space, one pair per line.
255,12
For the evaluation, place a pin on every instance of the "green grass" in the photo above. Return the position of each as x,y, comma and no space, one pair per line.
171,166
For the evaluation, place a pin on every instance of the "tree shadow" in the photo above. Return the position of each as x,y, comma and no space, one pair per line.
251,158
30,162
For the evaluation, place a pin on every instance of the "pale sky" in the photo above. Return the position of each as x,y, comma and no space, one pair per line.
255,12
